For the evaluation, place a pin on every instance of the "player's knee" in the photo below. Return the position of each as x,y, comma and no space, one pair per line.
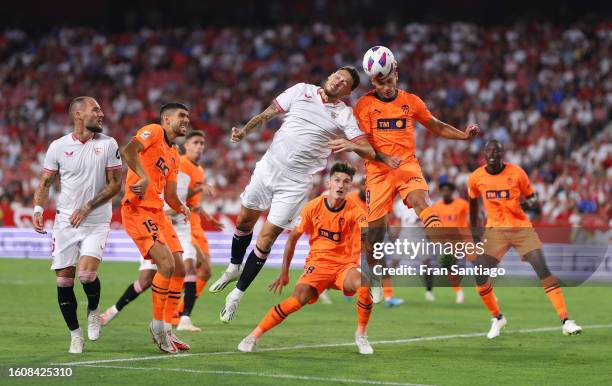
87,276
62,281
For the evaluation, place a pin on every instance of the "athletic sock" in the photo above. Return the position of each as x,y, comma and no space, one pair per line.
130,293
159,291
174,295
190,295
276,315
254,263
91,286
555,295
240,243
488,298
364,308
67,301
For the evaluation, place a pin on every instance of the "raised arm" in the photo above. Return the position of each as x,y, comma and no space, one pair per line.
283,278
41,196
239,133
445,130
112,188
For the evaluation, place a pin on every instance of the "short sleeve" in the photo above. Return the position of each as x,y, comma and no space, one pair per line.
524,184
113,158
51,164
284,101
351,128
421,112
473,192
149,135
304,223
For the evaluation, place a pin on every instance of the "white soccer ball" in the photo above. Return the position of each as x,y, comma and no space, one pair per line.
378,61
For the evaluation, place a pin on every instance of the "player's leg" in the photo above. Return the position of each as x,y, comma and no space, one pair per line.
487,295
455,281
203,267
302,295
255,262
552,289
66,299
247,218
145,278
428,280
189,297
88,276
352,281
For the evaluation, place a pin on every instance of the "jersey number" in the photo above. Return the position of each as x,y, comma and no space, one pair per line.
161,164
150,225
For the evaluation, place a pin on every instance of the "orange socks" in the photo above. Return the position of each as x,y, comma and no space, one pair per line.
159,290
276,315
387,284
175,287
455,281
430,218
364,308
488,298
553,291
200,284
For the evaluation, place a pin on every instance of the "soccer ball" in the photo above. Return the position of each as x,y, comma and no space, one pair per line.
378,61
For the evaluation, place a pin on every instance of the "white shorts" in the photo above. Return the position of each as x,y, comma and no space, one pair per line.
147,265
183,231
285,194
69,244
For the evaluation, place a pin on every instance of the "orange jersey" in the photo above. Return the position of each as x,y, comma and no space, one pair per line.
390,125
160,161
331,230
356,248
196,176
501,194
454,214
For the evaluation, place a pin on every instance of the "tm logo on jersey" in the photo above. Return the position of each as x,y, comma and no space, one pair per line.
498,194
333,236
161,165
391,123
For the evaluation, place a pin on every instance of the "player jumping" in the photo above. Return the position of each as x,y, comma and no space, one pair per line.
315,124
89,168
331,222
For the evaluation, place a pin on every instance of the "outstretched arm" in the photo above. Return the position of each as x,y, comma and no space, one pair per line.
239,133
283,278
40,199
113,186
445,130
364,149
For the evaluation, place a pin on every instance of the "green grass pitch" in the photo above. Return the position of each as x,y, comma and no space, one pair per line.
418,343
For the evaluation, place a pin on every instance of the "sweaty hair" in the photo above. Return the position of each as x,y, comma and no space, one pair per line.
194,133
172,106
340,167
354,74
76,102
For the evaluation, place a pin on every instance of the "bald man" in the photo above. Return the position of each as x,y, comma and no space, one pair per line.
88,166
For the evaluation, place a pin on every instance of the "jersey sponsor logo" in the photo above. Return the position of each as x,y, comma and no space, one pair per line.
145,134
498,194
68,153
333,236
391,123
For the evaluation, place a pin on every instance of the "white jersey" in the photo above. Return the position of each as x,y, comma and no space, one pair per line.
182,189
82,170
300,145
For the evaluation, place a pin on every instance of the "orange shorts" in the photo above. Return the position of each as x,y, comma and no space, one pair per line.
147,225
321,277
381,187
197,234
497,241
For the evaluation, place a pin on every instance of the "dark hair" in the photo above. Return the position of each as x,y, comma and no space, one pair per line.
354,74
194,133
340,167
172,106
76,101
449,185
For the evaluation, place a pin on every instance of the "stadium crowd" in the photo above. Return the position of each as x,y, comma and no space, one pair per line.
544,91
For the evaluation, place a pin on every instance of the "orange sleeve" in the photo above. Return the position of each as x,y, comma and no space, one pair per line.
174,167
472,186
305,222
361,114
149,135
421,112
524,184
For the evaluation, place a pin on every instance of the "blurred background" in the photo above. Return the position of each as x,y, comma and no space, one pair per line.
536,77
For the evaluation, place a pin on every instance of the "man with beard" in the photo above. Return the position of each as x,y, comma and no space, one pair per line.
316,123
89,168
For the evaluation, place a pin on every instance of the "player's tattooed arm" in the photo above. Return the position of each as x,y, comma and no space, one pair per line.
40,199
283,278
238,133
445,130
112,188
